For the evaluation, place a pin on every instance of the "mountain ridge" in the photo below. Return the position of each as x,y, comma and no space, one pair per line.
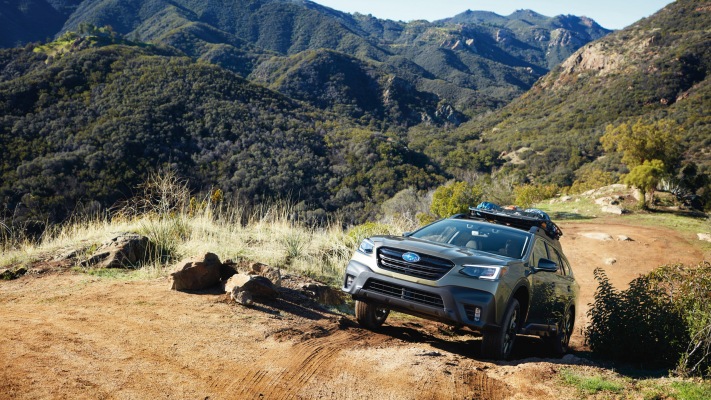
469,67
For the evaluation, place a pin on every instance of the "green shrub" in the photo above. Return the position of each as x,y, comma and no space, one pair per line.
527,195
455,198
356,234
591,179
663,319
690,289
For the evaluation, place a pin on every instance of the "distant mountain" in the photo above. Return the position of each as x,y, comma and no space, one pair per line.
33,20
660,67
469,63
531,35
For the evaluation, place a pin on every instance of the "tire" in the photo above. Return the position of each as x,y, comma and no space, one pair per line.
558,344
497,345
370,316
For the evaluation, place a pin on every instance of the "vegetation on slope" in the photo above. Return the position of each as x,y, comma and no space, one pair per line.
655,69
83,122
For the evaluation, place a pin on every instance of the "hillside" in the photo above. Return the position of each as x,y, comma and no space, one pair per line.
84,119
657,68
465,63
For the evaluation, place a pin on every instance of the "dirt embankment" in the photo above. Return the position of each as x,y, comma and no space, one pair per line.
73,336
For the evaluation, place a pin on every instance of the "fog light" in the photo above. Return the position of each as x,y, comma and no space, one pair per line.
349,280
477,314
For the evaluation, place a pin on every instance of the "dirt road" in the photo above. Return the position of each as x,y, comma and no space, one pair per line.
74,336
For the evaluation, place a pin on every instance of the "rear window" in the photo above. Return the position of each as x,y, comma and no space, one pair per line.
475,235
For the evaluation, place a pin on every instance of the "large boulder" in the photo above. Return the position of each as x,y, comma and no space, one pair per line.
230,268
271,273
126,250
257,286
323,294
613,210
196,273
241,296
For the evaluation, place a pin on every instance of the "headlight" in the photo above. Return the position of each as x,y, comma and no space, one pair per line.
489,273
366,247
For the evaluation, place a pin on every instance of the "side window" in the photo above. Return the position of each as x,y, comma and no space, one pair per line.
568,271
553,253
539,251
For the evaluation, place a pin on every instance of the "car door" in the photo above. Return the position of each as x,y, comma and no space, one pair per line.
564,284
543,287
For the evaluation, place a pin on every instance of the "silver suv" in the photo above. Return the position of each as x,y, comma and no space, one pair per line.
498,272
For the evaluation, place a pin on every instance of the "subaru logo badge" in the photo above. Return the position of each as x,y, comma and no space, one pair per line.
411,257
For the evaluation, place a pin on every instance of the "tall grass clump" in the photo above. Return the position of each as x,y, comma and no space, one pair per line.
663,319
161,212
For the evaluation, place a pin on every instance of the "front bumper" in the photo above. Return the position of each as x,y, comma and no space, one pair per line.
449,304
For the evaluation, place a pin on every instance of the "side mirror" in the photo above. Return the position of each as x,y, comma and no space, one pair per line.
406,234
546,265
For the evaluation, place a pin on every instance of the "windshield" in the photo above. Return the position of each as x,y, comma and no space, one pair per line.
476,236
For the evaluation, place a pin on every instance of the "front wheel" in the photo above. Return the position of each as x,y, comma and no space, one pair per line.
497,345
558,344
369,315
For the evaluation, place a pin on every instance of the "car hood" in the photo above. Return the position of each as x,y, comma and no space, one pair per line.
456,254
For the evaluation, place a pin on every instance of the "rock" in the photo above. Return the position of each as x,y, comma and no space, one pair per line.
602,201
704,236
197,273
228,269
258,286
623,238
127,250
610,261
565,199
613,210
324,294
271,273
596,235
7,274
241,296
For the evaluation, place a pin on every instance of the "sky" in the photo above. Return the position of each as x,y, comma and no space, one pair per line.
611,14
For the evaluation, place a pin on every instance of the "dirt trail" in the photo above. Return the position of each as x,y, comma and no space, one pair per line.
73,336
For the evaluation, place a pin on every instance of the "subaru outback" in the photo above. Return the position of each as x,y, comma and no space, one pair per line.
495,271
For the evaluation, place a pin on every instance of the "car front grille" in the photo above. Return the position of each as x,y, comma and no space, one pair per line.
428,267
401,292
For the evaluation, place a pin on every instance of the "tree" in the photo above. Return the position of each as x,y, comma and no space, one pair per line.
645,177
455,198
527,195
659,140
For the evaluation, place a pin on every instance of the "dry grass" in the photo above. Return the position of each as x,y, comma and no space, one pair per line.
180,226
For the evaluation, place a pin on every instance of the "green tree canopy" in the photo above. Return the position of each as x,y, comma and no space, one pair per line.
645,177
659,140
455,198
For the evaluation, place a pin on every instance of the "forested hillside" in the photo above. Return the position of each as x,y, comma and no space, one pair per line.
84,119
657,69
262,99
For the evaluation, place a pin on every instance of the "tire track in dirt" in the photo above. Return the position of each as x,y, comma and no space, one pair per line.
305,369
293,368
